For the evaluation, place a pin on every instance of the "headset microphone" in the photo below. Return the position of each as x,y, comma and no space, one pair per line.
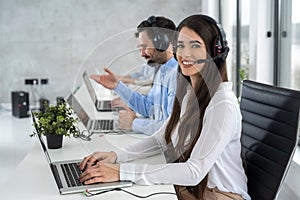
203,61
211,59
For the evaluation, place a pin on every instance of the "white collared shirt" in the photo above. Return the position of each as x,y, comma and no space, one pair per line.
217,151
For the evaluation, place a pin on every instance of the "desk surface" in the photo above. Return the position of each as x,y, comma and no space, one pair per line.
33,179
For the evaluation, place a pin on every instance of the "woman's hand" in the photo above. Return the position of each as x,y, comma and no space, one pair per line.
109,80
93,159
100,172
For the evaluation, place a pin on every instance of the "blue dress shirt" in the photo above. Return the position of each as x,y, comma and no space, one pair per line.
157,105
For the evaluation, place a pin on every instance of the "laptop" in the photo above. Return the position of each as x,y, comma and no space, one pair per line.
66,175
103,103
105,124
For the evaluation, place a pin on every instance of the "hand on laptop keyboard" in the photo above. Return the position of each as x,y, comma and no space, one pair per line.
100,172
105,157
119,104
98,167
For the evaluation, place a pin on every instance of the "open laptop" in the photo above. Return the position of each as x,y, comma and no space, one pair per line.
102,102
66,175
105,124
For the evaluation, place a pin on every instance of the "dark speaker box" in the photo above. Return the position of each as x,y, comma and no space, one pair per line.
20,104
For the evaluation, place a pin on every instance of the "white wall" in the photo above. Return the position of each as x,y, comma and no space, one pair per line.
52,39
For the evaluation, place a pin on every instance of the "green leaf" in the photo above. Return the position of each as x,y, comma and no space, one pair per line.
57,119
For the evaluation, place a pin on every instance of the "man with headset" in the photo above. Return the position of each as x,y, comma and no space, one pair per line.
155,36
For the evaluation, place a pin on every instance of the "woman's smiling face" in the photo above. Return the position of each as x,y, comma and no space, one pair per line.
190,48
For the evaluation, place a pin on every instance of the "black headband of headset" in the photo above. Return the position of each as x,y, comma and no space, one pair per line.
219,28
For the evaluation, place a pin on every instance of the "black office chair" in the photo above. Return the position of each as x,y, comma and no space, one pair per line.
269,136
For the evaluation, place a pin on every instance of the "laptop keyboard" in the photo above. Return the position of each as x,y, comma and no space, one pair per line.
104,125
71,172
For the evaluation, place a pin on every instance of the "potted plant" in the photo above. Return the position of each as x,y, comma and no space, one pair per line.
55,122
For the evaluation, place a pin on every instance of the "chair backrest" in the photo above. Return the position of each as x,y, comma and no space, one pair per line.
269,136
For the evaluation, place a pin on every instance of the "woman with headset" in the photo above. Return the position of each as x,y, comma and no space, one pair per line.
201,139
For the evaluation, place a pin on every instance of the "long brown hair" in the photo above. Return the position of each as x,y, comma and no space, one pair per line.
190,123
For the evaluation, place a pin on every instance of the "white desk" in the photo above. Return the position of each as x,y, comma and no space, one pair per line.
15,142
33,179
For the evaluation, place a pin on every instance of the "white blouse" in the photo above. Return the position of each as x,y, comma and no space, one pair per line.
217,151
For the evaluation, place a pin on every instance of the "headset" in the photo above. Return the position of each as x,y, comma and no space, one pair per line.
160,40
219,49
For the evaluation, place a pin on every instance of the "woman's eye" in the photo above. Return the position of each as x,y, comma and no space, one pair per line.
196,46
180,46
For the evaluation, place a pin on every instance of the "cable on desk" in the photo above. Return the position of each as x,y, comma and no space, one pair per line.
83,136
87,193
87,137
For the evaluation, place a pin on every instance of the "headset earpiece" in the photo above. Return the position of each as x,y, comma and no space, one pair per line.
219,48
160,39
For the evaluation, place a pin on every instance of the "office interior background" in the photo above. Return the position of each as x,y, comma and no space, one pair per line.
54,40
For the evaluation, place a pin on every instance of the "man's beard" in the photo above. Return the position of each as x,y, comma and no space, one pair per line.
152,63
159,59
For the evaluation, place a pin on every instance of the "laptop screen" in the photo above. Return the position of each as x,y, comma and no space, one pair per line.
102,102
81,114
